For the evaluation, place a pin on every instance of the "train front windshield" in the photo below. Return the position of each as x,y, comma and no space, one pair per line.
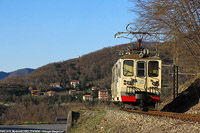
128,68
153,66
141,69
153,69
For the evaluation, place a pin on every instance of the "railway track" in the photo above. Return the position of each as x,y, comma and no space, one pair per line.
181,116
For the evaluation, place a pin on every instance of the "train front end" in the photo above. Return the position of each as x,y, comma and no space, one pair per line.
136,81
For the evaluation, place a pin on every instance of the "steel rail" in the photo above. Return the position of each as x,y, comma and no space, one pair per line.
180,116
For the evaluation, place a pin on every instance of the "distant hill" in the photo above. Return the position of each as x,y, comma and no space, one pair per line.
3,75
18,72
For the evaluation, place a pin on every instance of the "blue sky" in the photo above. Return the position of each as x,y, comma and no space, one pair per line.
34,33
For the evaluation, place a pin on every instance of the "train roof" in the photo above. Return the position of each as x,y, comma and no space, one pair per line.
136,56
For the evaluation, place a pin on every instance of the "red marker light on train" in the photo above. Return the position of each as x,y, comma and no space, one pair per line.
124,83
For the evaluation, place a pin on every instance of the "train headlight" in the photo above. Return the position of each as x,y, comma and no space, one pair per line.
155,83
131,81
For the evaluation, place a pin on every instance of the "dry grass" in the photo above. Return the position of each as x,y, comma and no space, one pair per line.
91,118
188,83
32,113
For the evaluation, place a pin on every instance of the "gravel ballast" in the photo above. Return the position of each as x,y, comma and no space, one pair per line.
120,121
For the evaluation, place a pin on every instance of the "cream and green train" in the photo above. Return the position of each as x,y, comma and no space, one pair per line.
136,80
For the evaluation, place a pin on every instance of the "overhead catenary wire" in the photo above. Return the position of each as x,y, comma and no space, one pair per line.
139,31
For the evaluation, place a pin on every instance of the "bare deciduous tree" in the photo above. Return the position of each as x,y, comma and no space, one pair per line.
178,19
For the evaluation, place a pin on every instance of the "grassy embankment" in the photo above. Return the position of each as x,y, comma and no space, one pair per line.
92,119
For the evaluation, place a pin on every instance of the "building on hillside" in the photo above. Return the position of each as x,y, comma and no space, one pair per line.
55,85
72,92
95,88
74,83
30,88
50,93
35,92
87,98
103,95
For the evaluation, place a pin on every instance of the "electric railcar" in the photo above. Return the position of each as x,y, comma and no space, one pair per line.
136,80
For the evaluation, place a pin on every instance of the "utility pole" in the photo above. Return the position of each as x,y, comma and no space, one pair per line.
175,57
157,45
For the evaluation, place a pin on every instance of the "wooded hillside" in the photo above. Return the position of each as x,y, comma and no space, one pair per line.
94,68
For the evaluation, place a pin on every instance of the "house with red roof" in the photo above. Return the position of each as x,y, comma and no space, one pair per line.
103,95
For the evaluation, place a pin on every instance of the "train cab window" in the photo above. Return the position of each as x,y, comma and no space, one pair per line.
128,68
141,69
113,75
119,70
153,68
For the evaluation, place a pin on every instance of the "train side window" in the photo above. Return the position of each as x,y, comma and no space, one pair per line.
128,68
153,68
141,69
113,75
116,72
119,70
